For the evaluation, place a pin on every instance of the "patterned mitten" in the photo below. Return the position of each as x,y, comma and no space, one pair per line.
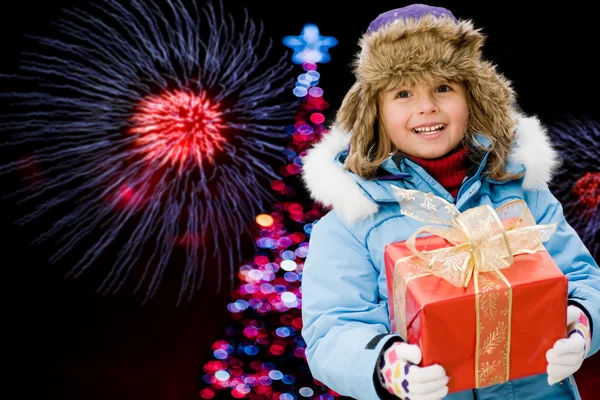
399,374
567,355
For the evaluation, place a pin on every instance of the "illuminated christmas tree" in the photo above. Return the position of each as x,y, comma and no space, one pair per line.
262,355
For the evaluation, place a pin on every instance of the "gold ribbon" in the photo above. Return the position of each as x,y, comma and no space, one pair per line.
482,241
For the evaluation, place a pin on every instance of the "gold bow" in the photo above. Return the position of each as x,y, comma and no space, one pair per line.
482,239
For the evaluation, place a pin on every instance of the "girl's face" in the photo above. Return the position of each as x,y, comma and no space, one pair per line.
427,120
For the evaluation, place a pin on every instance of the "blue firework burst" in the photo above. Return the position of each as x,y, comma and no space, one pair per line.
151,123
577,182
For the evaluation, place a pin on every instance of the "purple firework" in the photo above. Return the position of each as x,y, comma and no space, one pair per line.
153,124
577,182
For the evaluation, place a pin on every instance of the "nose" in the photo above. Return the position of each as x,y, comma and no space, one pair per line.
427,105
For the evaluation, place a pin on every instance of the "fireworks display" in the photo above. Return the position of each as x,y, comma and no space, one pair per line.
153,128
576,183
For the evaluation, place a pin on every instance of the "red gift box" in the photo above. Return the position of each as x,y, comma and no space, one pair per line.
523,313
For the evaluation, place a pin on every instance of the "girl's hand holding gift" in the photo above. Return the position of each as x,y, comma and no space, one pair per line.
399,373
567,355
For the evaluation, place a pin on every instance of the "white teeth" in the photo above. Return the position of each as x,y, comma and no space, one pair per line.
430,129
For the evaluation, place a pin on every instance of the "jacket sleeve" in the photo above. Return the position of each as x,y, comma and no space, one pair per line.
345,325
573,258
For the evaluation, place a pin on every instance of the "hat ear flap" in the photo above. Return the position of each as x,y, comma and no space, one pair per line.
493,99
346,114
358,113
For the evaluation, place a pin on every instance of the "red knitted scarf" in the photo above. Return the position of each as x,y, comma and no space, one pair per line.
449,170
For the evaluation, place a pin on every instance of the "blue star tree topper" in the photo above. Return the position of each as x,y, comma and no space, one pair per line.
310,46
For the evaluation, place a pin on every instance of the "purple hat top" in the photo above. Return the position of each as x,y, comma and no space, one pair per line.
414,11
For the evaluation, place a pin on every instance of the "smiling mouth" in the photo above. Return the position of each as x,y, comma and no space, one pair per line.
430,130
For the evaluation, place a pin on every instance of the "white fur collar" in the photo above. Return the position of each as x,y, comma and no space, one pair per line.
330,185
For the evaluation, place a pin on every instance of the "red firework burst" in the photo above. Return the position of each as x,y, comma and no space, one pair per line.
587,188
177,127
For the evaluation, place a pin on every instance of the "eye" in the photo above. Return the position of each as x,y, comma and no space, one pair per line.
403,94
443,88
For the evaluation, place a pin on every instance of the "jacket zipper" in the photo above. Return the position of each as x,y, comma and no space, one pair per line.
475,394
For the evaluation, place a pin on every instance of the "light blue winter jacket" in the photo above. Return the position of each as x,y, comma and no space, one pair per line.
344,292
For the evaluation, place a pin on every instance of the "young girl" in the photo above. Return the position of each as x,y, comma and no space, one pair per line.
426,113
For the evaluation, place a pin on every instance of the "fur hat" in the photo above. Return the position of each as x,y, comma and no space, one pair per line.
424,43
